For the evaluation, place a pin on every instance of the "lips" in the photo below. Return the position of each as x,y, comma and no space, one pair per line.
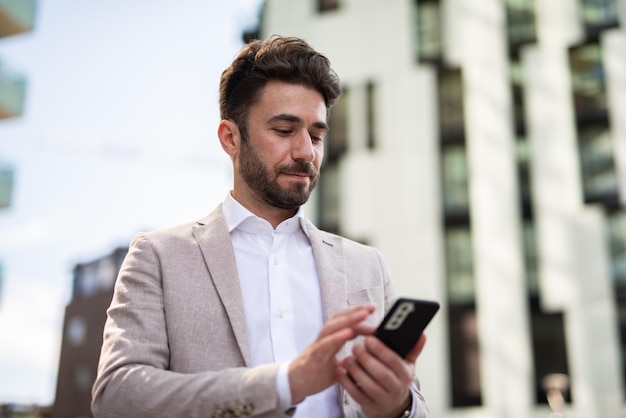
299,170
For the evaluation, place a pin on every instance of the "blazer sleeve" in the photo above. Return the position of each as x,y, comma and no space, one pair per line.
134,379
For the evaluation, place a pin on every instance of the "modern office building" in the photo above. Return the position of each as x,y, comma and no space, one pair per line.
481,145
82,334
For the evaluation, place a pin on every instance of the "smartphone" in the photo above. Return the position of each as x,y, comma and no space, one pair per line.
404,323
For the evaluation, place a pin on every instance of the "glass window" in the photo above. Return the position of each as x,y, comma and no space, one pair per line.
455,188
521,27
83,377
599,176
6,187
371,115
588,81
548,328
599,14
336,141
516,77
329,198
327,5
524,172
549,347
459,265
451,109
462,326
428,30
617,241
464,356
76,331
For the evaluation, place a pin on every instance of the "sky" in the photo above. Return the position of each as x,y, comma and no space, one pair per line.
118,136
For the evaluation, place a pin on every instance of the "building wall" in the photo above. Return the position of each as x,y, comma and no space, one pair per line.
83,325
391,194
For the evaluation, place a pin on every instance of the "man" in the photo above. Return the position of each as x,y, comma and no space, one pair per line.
252,310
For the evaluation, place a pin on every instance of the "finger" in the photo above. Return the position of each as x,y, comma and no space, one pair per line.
349,317
356,382
389,368
384,366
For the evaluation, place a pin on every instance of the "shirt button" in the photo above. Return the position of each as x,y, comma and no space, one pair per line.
275,261
281,313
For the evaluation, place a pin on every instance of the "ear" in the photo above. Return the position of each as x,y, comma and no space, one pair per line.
229,136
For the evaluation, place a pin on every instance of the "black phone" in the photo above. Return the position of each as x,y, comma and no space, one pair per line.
404,323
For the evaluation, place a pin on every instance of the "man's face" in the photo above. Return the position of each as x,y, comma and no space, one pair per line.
280,158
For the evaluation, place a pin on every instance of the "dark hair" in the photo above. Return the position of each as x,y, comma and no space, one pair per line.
277,58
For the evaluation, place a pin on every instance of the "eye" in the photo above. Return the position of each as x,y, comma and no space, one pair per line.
317,136
283,132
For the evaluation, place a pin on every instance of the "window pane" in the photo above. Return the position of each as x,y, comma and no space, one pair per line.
464,356
6,187
521,26
455,189
459,265
549,349
336,141
371,115
599,13
329,198
428,29
617,242
451,102
588,80
327,5
597,163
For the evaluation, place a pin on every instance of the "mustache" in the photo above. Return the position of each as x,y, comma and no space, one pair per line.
302,168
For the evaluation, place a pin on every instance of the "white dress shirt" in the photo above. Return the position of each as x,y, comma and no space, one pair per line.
281,296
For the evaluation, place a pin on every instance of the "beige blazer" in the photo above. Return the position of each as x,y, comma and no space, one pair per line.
175,339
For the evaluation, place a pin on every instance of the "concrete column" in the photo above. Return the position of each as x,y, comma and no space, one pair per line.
502,300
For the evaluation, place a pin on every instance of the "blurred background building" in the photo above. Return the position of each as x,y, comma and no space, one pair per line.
82,334
16,17
481,145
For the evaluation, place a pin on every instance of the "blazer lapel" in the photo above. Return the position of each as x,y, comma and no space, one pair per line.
217,250
329,259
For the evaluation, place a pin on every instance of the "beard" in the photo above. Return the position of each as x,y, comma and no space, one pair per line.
264,183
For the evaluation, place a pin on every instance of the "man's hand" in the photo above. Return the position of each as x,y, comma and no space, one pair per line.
378,379
315,368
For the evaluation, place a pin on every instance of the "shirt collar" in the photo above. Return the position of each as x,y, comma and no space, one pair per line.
237,216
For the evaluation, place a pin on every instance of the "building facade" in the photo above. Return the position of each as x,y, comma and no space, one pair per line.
83,324
481,145
16,17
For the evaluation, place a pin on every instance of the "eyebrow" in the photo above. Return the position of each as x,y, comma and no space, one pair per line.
295,119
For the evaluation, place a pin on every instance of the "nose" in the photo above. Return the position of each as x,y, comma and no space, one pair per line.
303,149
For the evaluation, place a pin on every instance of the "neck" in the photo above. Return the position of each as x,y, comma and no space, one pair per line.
272,214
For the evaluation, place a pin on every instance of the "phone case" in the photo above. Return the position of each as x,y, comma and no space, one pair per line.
404,323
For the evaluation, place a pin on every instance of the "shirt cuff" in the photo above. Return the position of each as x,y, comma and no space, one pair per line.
413,405
283,388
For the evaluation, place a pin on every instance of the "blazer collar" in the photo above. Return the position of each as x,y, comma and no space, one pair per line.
329,259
